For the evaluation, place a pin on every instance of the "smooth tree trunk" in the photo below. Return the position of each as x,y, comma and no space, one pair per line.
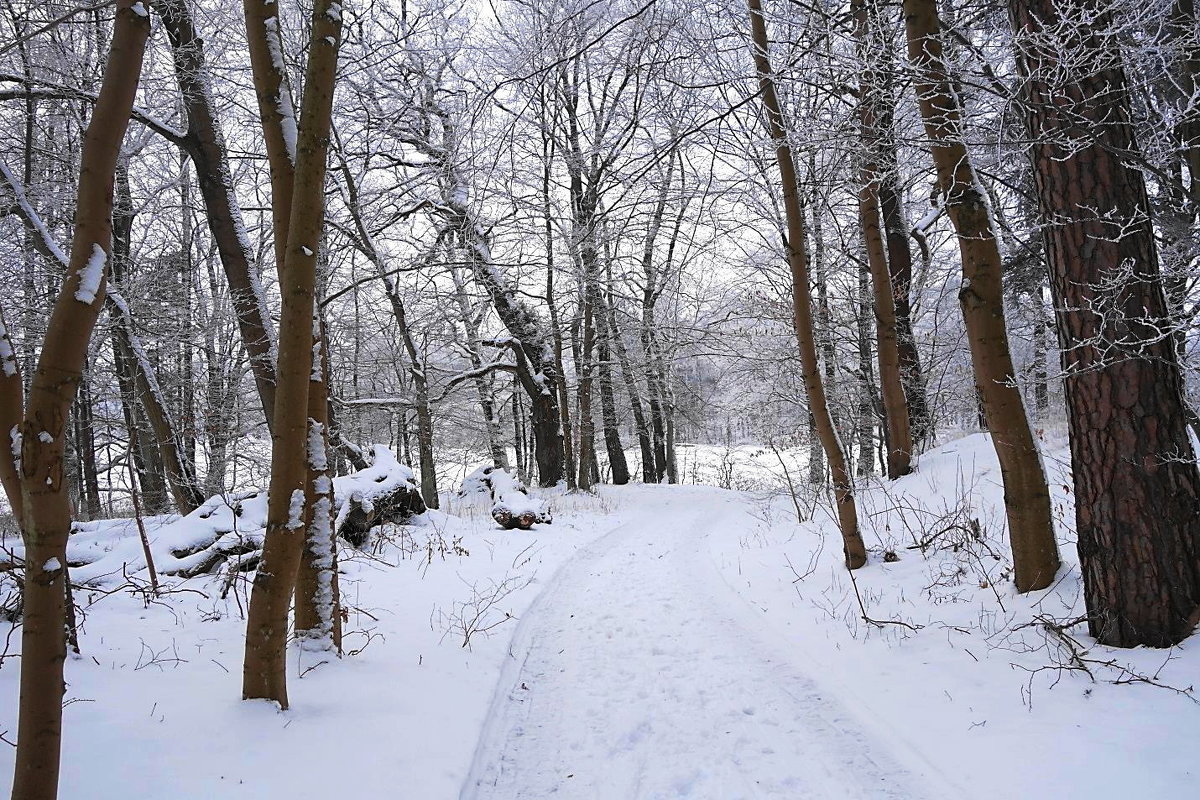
896,233
871,101
1137,489
1026,497
85,444
318,612
900,266
586,370
44,503
12,411
854,548
608,406
640,423
264,668
560,383
864,466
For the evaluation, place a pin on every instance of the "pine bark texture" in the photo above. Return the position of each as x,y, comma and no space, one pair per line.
1026,497
853,547
46,519
1137,490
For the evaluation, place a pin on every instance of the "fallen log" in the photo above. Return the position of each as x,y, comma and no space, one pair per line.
512,506
229,529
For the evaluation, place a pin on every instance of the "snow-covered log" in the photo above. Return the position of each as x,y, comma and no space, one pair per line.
512,506
386,491
228,529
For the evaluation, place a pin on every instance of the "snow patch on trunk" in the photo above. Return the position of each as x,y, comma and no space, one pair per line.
91,275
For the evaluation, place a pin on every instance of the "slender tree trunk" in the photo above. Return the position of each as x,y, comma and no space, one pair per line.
46,512
608,406
1137,489
420,385
640,424
145,454
12,411
264,668
587,425
853,547
871,101
823,323
1041,376
899,254
1026,497
900,267
187,378
318,613
518,416
180,472
141,435
205,143
866,416
169,457
85,444
560,383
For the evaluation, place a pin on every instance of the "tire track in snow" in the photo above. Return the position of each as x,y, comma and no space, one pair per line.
632,676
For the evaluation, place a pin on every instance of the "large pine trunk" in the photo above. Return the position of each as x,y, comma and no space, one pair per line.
44,503
854,548
1026,497
1137,489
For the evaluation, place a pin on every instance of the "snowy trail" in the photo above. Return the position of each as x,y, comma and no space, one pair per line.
639,674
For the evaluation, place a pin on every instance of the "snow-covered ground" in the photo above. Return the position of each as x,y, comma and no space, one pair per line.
652,642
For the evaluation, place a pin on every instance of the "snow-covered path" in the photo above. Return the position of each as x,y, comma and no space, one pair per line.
639,674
